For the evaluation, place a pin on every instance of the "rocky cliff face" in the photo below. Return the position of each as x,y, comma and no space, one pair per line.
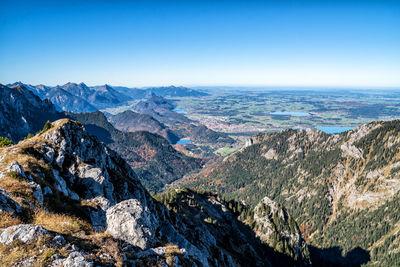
339,188
68,200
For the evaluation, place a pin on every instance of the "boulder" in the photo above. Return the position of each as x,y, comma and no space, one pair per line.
132,222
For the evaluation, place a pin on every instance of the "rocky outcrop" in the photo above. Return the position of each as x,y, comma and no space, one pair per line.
22,232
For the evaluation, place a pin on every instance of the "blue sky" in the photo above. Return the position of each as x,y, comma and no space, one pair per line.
149,43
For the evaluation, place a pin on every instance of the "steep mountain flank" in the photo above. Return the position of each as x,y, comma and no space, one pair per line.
155,161
68,200
65,101
22,112
341,189
129,121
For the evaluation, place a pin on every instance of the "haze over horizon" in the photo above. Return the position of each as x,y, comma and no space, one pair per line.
221,43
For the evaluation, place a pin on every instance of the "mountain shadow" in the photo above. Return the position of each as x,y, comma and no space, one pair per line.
333,257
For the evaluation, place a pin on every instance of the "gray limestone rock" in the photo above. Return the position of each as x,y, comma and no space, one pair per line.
132,222
22,232
37,192
74,259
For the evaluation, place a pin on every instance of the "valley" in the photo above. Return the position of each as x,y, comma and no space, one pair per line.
247,112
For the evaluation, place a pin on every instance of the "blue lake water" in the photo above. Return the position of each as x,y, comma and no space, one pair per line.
333,129
184,141
179,110
294,114
329,129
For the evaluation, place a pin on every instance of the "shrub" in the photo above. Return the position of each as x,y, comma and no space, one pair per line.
4,141
29,136
47,126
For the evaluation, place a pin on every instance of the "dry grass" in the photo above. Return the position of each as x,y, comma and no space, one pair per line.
172,249
16,187
8,219
19,251
61,223
89,204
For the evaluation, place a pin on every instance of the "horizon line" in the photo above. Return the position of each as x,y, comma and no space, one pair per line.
231,86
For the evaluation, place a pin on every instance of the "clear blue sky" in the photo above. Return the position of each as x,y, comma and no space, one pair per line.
146,43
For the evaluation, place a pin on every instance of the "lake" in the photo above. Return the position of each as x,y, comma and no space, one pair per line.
183,141
329,129
179,110
294,114
333,129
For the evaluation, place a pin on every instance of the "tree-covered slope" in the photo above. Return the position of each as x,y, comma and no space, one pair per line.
341,189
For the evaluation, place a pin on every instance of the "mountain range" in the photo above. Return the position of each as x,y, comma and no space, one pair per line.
75,97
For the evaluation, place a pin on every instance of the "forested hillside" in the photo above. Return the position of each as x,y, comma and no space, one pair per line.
343,189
